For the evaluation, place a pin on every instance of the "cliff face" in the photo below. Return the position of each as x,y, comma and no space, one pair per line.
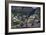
36,21
25,17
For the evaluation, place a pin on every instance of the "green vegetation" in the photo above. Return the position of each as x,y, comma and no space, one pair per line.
16,23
